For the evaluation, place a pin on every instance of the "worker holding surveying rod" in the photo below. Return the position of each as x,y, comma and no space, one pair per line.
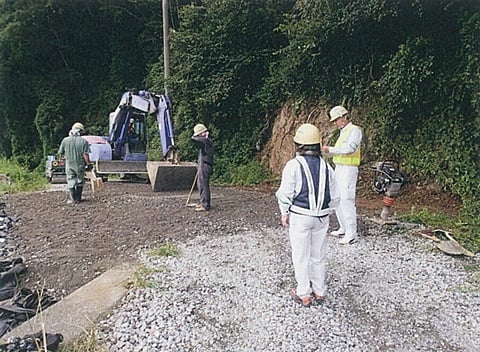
205,164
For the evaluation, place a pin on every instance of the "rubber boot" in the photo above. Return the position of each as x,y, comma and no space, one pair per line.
71,196
78,193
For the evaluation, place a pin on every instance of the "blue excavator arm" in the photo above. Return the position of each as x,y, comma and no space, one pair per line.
165,126
148,103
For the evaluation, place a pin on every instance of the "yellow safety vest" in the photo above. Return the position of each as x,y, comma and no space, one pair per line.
346,159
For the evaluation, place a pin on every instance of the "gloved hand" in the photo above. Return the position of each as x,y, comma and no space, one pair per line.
89,167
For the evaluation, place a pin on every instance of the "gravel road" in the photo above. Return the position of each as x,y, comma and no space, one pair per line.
391,291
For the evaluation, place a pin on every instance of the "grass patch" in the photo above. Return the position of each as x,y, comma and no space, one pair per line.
140,277
167,250
474,279
88,342
427,218
15,178
465,232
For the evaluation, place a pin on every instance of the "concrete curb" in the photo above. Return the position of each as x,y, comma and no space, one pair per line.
77,313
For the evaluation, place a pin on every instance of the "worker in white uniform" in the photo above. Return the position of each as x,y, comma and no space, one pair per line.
346,157
306,197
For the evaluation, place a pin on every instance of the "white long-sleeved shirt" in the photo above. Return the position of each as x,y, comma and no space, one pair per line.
291,186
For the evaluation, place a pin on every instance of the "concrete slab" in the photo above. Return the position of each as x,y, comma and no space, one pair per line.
165,176
78,312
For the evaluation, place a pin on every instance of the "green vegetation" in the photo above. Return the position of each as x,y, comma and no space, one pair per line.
428,218
463,229
249,174
473,281
88,342
16,178
140,277
167,250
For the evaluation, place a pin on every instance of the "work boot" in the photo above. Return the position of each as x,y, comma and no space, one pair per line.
71,196
78,193
304,301
201,208
318,300
337,233
348,239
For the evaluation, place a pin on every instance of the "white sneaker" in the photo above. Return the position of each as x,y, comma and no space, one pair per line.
348,240
337,233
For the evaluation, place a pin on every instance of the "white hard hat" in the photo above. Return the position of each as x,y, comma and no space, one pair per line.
337,112
199,129
307,134
78,126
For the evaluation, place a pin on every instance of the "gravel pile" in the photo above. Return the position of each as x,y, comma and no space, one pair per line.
230,292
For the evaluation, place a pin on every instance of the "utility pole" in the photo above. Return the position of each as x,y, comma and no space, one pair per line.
166,49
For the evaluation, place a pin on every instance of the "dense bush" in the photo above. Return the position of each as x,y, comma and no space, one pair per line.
17,178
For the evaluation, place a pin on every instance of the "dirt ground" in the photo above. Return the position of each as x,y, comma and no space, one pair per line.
66,246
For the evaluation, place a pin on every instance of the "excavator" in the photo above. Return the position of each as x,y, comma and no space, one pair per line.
124,150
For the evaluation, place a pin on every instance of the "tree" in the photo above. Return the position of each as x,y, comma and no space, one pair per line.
72,60
219,60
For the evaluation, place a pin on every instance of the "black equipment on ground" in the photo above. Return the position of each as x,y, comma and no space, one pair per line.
388,180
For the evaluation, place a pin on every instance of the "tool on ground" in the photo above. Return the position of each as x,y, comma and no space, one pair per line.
445,242
451,246
187,203
387,181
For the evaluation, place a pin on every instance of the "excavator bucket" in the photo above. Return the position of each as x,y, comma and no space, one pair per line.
170,175
165,176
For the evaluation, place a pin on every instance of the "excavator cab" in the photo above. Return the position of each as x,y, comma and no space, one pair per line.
136,135
128,135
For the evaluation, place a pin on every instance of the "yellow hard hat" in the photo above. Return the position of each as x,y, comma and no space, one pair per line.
337,112
307,134
78,126
199,129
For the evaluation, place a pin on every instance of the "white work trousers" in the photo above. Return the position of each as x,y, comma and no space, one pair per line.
308,241
346,210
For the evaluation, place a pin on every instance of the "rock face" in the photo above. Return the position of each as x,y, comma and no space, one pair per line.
280,147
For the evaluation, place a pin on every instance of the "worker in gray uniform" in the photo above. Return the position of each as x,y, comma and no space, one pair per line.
75,149
306,196
205,164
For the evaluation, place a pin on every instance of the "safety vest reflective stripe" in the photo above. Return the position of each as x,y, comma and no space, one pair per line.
315,205
346,159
